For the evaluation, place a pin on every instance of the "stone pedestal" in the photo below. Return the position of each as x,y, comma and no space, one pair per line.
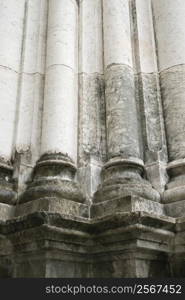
121,245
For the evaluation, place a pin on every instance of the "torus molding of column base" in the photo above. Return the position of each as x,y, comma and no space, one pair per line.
175,190
8,194
53,178
122,178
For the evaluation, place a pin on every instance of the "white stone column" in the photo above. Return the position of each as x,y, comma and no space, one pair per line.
60,104
92,148
11,34
31,92
54,172
170,36
124,169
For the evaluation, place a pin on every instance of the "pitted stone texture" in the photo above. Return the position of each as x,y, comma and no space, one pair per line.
173,93
53,188
110,246
148,88
153,139
92,118
121,114
52,205
126,204
126,187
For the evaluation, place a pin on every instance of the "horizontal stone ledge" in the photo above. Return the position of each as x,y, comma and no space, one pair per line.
53,205
126,204
90,226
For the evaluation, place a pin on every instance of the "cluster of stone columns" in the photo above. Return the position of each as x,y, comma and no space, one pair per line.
94,89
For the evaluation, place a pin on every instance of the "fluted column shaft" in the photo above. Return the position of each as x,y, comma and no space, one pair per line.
170,35
11,35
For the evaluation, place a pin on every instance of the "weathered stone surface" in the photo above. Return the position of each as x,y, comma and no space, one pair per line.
173,91
53,178
92,118
92,132
125,204
92,151
122,129
79,252
53,205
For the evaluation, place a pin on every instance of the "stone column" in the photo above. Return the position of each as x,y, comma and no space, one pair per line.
54,172
11,35
31,93
170,35
124,170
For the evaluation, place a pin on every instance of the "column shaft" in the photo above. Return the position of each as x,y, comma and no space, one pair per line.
11,35
61,93
123,172
170,33
55,170
31,92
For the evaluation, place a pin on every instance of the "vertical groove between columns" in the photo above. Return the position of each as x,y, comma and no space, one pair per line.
103,59
136,69
18,100
46,53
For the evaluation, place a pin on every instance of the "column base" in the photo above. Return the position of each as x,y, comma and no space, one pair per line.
53,178
174,195
123,178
